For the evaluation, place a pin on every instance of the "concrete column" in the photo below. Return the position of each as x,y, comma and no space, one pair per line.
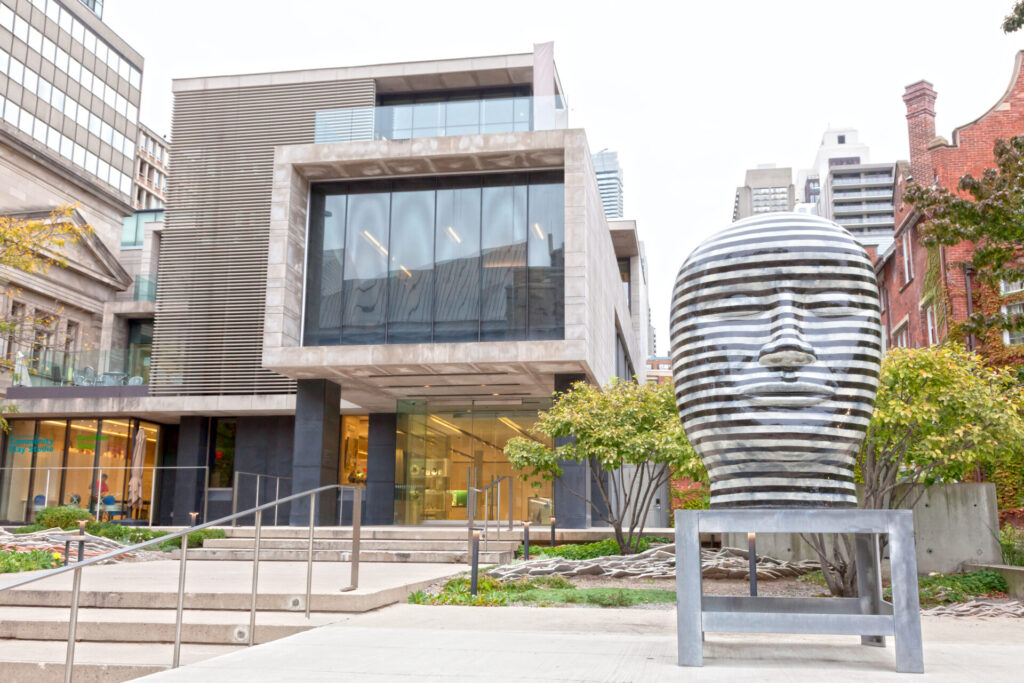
316,447
571,512
382,442
193,450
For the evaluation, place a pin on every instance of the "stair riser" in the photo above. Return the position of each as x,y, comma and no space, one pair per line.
452,534
296,544
343,602
207,634
33,672
440,557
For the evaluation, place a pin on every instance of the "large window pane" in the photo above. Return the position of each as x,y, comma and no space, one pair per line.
503,242
366,267
112,476
428,119
326,265
547,261
412,263
457,255
17,469
82,446
48,463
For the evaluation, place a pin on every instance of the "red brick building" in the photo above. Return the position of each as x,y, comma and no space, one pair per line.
926,291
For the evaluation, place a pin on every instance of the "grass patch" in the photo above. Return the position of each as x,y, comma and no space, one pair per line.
128,535
587,551
540,590
28,560
943,589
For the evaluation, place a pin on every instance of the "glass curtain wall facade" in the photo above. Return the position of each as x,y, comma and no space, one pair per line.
441,451
84,463
452,259
465,112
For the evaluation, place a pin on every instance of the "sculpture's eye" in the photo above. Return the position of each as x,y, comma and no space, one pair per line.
739,306
832,305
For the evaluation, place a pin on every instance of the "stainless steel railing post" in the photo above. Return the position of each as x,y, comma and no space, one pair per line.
497,511
511,508
309,560
255,575
234,499
152,495
357,523
69,660
277,494
181,602
487,514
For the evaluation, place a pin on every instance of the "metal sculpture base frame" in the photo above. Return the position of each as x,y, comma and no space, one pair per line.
866,615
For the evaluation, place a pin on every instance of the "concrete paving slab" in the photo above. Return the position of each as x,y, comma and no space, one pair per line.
581,644
227,585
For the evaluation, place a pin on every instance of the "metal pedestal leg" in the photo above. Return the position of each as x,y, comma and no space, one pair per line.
689,631
906,607
869,581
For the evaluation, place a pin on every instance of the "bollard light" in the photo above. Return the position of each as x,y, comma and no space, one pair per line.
193,516
476,562
552,532
526,540
81,526
752,561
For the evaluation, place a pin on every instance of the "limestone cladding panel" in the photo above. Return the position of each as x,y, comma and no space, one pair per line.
594,303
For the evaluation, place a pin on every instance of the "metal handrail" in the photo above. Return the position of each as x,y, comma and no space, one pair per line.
258,475
183,535
471,507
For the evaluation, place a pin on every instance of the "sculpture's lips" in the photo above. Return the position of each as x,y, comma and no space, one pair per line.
788,393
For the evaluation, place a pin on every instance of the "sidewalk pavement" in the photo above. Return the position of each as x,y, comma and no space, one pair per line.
404,642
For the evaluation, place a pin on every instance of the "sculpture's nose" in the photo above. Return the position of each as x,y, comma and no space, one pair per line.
787,347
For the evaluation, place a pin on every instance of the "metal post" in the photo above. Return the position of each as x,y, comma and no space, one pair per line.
510,508
476,563
99,496
46,496
277,496
67,551
181,601
309,559
752,562
152,495
255,574
689,625
234,499
206,493
357,522
487,513
526,540
69,661
552,532
257,503
497,511
470,512
869,582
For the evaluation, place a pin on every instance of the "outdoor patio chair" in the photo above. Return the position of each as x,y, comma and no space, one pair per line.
134,381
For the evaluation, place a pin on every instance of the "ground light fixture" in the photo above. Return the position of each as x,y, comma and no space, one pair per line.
526,540
552,532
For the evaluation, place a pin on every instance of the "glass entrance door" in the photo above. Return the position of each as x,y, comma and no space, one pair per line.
443,452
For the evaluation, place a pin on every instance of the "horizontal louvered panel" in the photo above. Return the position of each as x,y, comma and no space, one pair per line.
208,334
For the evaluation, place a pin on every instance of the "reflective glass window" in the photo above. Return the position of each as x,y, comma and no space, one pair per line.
410,292
546,260
21,444
326,266
503,254
364,292
457,261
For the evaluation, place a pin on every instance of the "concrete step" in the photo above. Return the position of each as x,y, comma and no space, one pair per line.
42,661
364,545
385,533
212,627
376,556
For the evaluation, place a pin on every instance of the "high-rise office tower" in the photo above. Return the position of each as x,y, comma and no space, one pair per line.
609,182
765,189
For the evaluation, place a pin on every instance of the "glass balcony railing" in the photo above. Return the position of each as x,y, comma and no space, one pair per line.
145,288
875,220
872,179
40,366
861,194
440,119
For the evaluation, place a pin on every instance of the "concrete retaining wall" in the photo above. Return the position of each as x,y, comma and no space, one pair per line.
953,524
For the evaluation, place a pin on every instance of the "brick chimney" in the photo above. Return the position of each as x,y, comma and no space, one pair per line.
920,100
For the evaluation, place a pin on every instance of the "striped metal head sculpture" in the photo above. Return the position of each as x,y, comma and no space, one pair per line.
776,349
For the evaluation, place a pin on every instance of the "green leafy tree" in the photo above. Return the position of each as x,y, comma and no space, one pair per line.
988,211
631,439
1015,19
941,412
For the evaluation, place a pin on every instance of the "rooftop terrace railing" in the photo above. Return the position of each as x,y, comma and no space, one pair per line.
34,365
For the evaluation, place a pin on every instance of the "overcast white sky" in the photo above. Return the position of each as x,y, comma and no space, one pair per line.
689,93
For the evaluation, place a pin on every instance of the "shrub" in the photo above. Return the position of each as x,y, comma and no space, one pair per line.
942,589
29,529
65,517
195,539
122,534
587,551
1011,544
29,560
